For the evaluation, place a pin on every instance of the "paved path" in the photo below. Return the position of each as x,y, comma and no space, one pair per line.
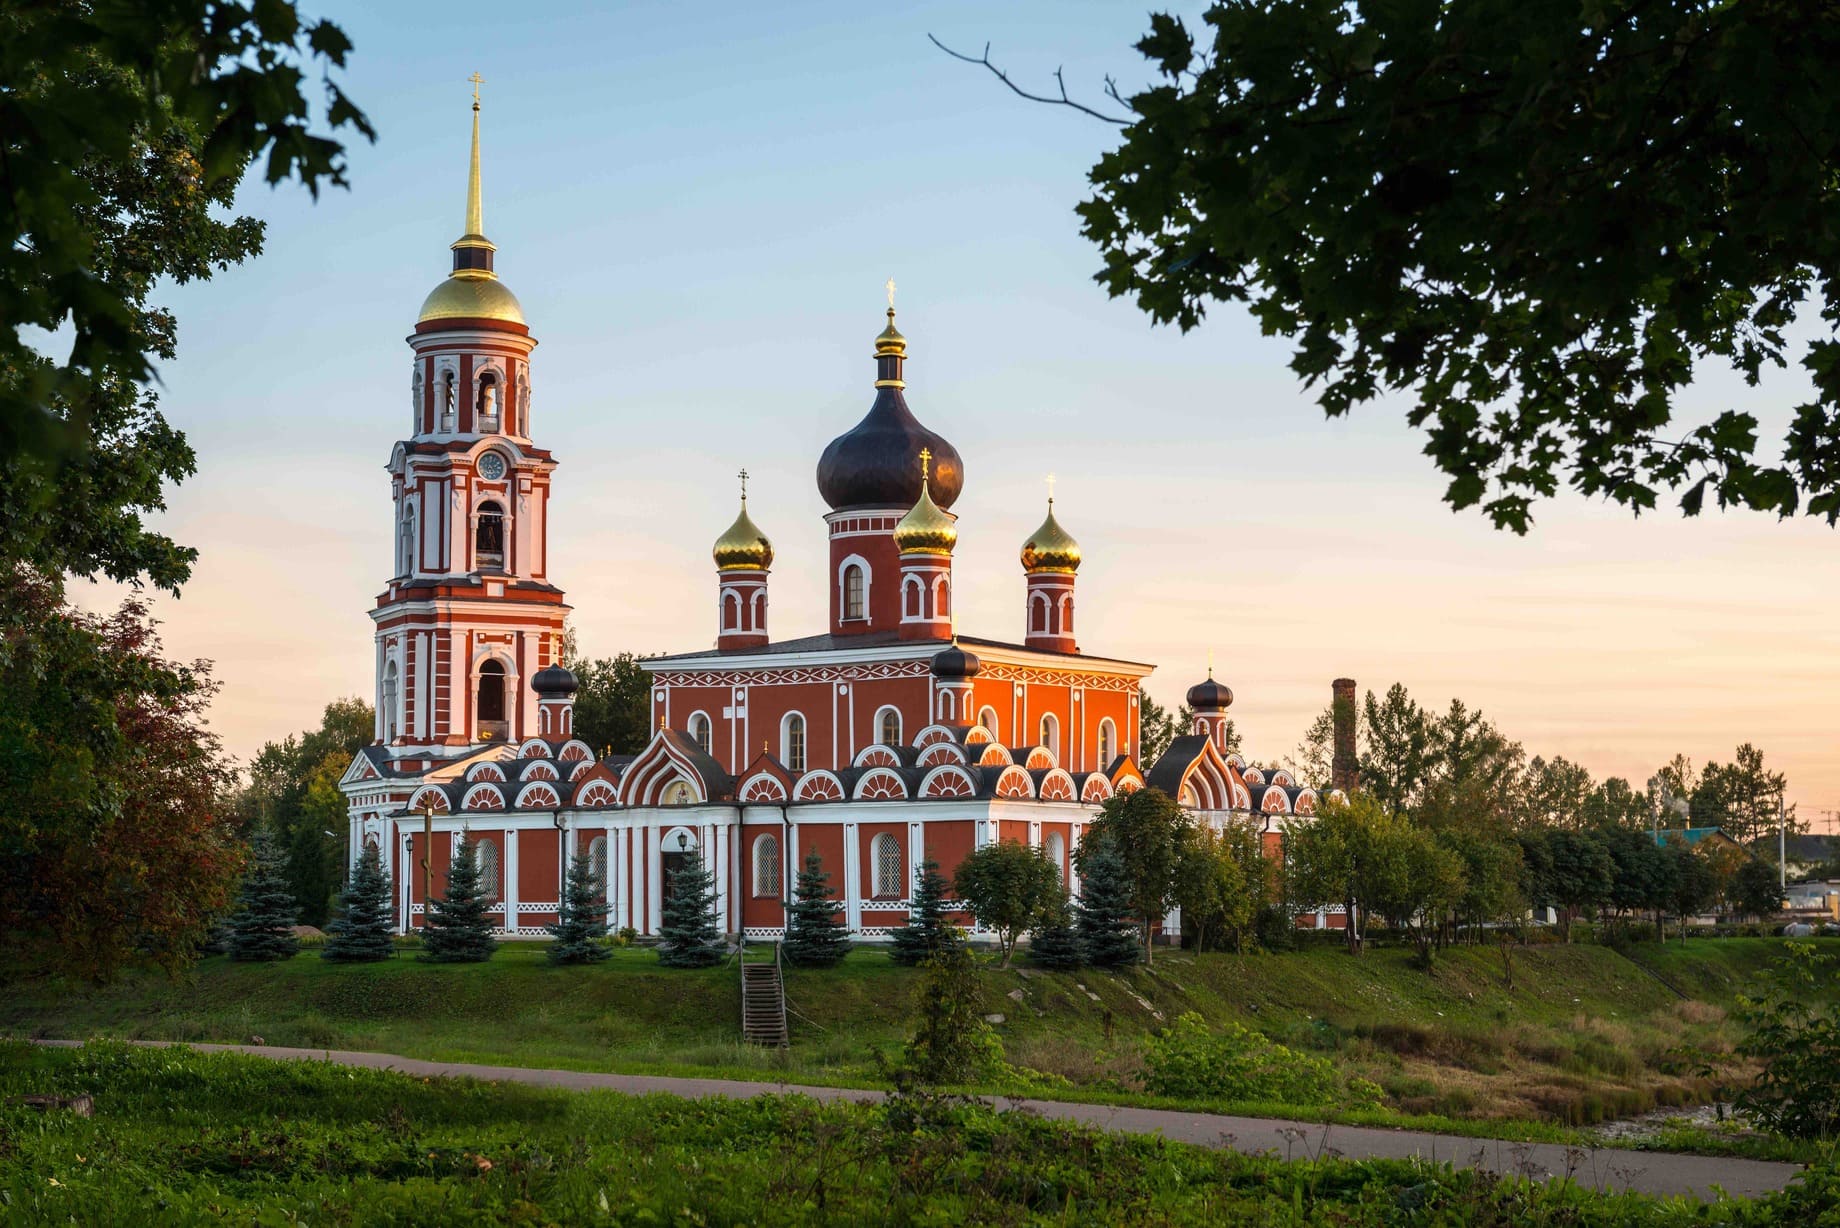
1649,1172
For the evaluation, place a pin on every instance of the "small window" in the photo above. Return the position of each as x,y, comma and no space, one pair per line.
597,863
1038,613
792,743
487,852
389,702
489,538
491,705
889,868
890,732
731,611
488,402
910,598
987,717
1108,742
1050,734
766,867
699,732
405,563
854,587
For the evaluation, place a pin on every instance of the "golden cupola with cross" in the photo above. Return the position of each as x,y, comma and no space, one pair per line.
742,556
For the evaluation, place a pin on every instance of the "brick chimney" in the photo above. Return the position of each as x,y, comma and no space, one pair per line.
1345,771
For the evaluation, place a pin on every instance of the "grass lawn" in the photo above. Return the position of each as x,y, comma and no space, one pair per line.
183,1138
1586,1033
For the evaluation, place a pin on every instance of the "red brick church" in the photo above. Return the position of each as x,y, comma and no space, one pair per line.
885,739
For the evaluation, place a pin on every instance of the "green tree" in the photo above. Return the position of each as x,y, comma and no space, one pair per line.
1313,762
1692,884
581,919
1534,221
1416,883
1792,1032
365,929
1008,888
1568,871
1492,875
1055,942
951,1043
1743,797
1614,803
1156,729
1337,860
458,927
815,938
927,929
1149,832
687,926
1211,888
116,843
1555,793
263,927
1756,891
1104,919
1641,876
613,708
1395,749
294,789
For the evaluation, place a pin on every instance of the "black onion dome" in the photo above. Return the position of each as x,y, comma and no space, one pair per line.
877,462
554,682
1210,694
955,662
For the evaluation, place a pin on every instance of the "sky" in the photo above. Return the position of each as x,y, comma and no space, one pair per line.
698,206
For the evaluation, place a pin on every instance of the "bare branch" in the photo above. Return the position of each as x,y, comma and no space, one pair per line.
1111,88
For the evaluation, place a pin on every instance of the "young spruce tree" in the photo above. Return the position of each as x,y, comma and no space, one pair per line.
582,919
927,931
263,927
814,936
365,930
458,929
687,928
1107,930
1055,943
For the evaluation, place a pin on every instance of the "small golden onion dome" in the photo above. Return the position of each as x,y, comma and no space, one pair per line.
927,528
467,295
1051,548
743,547
890,340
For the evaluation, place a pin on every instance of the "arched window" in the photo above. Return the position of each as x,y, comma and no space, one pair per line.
888,867
731,611
389,702
889,727
766,867
597,863
942,598
405,562
855,587
1054,847
1066,615
1051,733
487,853
910,597
489,538
488,404
948,705
1108,742
699,731
447,400
1038,613
987,717
792,742
491,705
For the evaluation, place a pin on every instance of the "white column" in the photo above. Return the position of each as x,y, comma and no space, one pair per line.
852,875
377,688
654,880
1035,833
790,881
510,892
916,846
718,865
457,674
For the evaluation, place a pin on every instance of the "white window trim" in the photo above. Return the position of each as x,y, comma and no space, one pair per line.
991,724
690,728
760,847
785,741
899,730
843,609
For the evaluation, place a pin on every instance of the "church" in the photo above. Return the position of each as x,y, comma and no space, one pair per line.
886,739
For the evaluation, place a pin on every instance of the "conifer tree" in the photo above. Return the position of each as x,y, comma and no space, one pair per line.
1055,943
581,919
688,924
365,929
458,928
263,927
814,936
927,931
1107,930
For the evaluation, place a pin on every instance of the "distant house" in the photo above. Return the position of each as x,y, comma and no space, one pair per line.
1804,854
1694,837
1812,901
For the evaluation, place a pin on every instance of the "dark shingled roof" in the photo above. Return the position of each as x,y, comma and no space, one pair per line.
1167,772
872,639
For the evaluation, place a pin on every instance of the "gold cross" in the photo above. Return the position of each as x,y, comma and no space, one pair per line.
477,81
743,476
1050,490
890,288
926,462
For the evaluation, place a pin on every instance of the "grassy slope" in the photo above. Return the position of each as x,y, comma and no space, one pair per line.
1584,1033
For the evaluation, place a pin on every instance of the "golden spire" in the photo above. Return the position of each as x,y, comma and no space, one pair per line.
472,290
475,203
1051,548
743,547
927,528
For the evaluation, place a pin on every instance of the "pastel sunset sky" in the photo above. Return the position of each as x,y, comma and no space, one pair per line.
698,205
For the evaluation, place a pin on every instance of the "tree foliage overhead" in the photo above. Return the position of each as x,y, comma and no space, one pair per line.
1532,218
98,104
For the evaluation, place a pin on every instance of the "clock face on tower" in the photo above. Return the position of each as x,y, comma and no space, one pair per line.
491,466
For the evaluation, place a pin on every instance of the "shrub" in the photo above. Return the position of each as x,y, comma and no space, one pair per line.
951,1042
1793,1029
1188,1061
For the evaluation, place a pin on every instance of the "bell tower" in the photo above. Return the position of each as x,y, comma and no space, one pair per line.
469,616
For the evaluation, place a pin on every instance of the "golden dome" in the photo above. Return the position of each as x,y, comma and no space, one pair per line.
742,546
927,528
890,340
1051,548
467,295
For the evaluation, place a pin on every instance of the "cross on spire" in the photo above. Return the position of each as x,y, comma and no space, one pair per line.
477,81
1050,490
890,288
926,463
743,476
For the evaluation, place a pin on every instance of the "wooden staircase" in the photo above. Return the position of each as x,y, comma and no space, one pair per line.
763,1001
